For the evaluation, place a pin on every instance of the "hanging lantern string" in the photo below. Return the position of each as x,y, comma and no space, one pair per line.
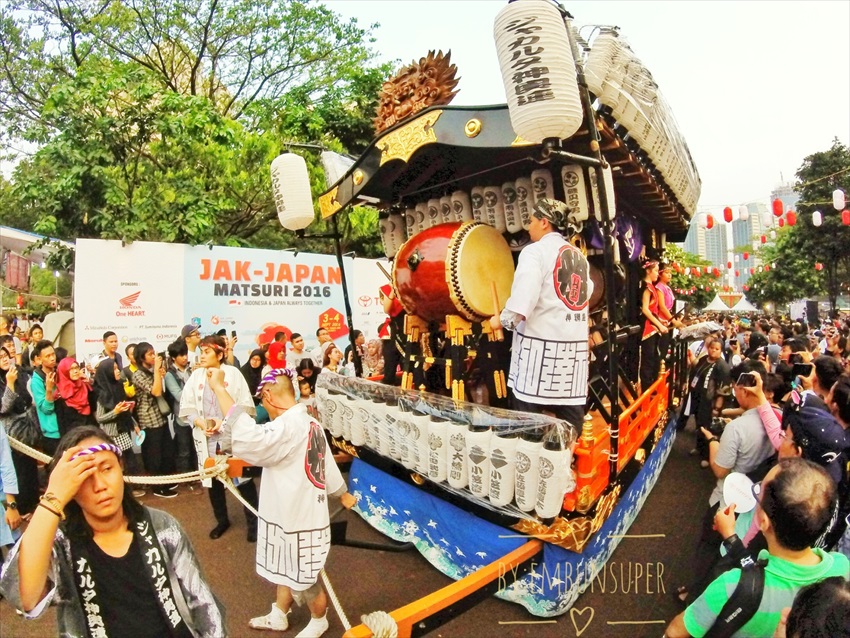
814,181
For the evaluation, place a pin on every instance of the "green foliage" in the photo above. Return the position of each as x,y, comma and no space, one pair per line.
799,248
158,120
691,287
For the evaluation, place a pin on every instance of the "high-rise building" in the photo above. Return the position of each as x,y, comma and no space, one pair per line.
785,193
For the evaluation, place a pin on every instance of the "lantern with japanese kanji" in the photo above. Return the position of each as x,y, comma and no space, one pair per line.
778,209
727,214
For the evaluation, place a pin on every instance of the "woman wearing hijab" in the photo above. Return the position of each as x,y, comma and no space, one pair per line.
72,406
252,371
114,412
15,403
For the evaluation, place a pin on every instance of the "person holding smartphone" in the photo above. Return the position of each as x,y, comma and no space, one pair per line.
115,414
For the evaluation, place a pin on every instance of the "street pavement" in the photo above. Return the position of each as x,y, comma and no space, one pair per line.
636,599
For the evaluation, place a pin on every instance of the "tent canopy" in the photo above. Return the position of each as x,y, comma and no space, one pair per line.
744,306
717,304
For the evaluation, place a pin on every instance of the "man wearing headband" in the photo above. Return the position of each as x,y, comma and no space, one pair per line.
547,311
299,475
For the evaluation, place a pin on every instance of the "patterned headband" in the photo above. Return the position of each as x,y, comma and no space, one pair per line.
100,447
270,378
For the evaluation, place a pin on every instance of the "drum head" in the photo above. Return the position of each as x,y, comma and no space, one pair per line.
597,299
477,258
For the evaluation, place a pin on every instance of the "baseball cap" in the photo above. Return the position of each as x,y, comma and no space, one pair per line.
188,329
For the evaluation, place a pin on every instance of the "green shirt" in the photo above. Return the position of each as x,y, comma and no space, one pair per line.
782,581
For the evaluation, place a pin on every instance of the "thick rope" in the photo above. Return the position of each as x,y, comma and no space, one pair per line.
381,624
217,471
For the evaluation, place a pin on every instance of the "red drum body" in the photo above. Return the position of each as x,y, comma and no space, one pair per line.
450,269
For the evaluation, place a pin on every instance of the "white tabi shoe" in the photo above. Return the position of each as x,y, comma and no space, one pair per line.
315,628
275,620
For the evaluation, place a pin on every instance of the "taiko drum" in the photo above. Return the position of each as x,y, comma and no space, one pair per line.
451,269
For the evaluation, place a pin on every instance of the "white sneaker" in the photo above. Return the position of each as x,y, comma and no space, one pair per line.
315,628
275,620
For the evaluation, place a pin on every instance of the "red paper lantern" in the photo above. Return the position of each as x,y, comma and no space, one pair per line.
791,217
727,214
764,239
737,273
709,222
716,272
752,271
777,207
707,288
845,216
729,265
746,256
725,288
707,270
766,268
781,222
746,288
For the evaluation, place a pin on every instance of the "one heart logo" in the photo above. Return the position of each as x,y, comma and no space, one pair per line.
580,612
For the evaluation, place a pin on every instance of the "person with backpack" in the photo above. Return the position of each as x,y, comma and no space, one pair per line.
794,506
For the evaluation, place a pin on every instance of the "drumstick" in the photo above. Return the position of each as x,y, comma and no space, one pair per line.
384,270
497,333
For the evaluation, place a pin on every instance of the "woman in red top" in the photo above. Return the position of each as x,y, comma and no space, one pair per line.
652,327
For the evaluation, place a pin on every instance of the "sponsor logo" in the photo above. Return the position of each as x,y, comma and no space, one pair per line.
365,301
130,300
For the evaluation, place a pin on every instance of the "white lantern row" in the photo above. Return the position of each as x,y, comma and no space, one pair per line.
538,71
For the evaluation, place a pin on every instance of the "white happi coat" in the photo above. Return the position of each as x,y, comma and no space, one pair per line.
551,290
299,472
192,404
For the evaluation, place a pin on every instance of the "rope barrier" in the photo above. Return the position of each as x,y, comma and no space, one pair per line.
381,624
217,471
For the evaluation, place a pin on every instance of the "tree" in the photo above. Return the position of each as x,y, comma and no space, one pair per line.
690,287
791,274
819,175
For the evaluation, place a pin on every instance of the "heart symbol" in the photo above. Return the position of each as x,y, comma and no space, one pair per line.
580,612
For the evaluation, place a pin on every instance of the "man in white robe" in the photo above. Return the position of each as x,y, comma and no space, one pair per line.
547,311
299,476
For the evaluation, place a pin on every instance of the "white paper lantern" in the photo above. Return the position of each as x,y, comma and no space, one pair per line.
502,469
702,220
434,215
574,180
817,218
494,208
446,212
462,206
410,222
291,190
538,71
524,200
422,216
743,213
773,234
478,460
477,198
608,176
767,219
838,199
392,234
513,221
541,183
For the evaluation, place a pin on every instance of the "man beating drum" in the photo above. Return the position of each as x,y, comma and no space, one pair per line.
548,310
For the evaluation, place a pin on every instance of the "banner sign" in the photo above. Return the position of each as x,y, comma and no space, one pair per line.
147,291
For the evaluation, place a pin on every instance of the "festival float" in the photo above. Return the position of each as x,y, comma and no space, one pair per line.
520,505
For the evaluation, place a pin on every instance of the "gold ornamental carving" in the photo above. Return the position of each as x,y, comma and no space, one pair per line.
328,203
472,127
358,177
404,141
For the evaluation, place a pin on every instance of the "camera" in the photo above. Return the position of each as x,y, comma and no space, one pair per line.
717,425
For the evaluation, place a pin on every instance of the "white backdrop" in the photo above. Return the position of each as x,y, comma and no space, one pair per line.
147,291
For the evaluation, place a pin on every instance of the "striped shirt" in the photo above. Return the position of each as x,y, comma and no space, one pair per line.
782,581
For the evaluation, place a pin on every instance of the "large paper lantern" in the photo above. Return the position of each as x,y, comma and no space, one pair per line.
743,213
791,217
778,208
709,222
817,218
291,190
727,214
538,71
845,216
838,199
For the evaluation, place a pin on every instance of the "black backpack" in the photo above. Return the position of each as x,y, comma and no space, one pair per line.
742,604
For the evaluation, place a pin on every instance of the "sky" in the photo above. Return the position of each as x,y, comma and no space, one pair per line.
756,86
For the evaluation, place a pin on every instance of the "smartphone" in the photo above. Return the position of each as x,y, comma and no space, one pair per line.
795,358
132,404
747,380
801,370
232,333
